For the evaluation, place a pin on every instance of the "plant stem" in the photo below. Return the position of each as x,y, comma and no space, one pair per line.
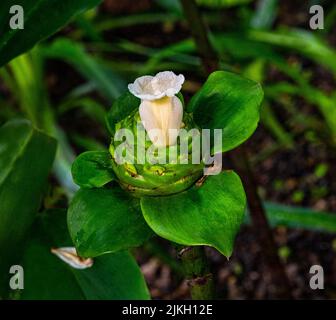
275,269
197,273
199,32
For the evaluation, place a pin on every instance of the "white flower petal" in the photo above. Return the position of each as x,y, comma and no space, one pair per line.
163,84
162,120
142,87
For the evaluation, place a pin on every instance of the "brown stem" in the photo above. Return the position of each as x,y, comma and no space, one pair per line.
281,287
199,32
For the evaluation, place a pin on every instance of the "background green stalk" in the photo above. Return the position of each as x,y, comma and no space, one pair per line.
197,272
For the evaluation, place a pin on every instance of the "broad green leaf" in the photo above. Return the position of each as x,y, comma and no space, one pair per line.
107,82
207,215
46,277
229,102
105,220
41,19
120,109
26,157
113,276
92,169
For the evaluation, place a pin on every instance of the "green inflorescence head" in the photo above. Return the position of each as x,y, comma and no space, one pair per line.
145,178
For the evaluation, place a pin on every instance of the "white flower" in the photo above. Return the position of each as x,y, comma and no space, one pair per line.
160,110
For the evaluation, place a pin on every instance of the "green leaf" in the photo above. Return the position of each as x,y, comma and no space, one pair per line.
113,276
121,108
207,215
46,276
105,220
265,14
92,169
230,102
26,157
41,19
297,217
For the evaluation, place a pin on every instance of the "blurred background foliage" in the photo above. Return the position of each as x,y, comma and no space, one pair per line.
65,85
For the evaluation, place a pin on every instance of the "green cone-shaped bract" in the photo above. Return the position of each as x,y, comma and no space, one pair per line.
142,177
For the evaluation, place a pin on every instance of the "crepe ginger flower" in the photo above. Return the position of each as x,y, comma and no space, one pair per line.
139,167
160,110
